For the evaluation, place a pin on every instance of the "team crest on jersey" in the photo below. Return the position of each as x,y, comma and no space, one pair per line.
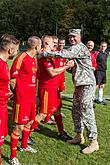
61,63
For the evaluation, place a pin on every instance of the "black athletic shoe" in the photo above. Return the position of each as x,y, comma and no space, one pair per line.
31,141
65,137
102,102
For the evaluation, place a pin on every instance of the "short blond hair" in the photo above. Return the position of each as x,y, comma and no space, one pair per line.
46,38
33,41
7,40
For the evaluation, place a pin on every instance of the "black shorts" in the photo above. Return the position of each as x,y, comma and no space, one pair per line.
100,77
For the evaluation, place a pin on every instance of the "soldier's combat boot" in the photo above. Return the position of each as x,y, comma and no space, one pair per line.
94,146
78,139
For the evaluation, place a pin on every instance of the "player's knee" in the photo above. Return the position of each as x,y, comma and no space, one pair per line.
18,129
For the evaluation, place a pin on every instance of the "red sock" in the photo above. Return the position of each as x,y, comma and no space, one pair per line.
25,135
14,143
0,156
47,118
34,125
58,120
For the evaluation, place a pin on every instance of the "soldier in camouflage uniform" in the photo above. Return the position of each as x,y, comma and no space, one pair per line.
84,82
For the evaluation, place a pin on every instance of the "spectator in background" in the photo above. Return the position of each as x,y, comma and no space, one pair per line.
93,54
8,48
101,71
55,41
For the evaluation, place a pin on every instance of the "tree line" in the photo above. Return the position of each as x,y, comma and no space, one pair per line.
55,17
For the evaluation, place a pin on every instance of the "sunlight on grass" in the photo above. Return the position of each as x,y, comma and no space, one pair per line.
52,151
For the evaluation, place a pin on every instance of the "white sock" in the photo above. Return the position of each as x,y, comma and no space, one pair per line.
100,94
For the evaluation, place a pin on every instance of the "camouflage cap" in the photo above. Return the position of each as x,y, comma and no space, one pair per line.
73,32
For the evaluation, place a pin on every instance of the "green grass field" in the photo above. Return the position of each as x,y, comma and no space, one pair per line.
53,151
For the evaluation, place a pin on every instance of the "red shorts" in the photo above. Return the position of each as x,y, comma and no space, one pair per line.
48,100
61,82
3,123
23,113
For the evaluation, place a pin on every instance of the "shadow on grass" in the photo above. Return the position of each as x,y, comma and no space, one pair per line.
67,107
66,103
68,99
48,132
5,158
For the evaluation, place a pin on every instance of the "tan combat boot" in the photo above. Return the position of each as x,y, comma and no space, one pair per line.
79,138
94,146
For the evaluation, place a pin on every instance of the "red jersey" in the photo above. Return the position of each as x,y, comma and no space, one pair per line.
45,79
24,71
60,62
93,58
4,82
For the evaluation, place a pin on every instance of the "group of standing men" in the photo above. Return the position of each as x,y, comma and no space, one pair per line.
50,74
99,65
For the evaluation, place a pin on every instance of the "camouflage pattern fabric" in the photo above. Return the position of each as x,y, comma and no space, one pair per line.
84,81
82,111
83,73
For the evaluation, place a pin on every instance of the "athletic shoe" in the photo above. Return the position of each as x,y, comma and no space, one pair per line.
31,141
52,118
65,137
14,161
101,102
27,149
51,122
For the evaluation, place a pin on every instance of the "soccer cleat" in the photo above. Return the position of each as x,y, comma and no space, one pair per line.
27,149
78,139
51,122
52,118
14,161
94,146
31,141
64,137
101,102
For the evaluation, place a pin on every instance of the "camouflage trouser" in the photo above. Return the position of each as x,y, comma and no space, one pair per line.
82,111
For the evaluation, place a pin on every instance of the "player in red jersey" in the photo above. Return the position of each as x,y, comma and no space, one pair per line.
55,41
93,54
23,72
48,87
60,62
8,48
55,48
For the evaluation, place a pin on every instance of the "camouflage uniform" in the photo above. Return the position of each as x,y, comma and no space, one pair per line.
84,81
